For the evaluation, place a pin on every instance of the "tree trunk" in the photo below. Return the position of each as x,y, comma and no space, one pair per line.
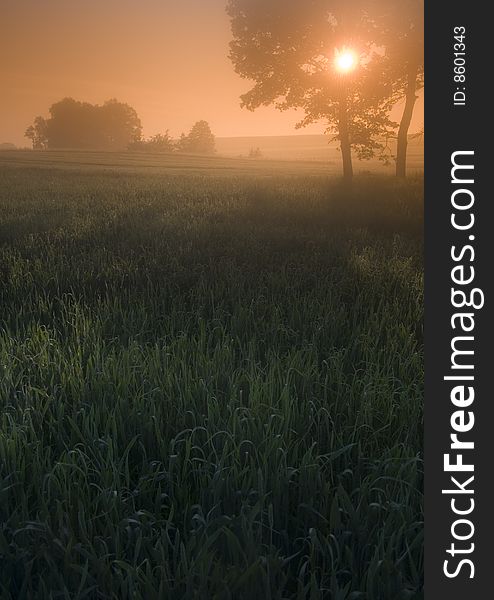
410,98
346,150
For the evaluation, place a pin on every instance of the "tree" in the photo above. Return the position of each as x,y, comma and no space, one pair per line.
120,124
181,143
287,48
160,142
37,133
398,25
74,124
255,153
200,140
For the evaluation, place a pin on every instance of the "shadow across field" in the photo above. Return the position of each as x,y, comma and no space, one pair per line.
212,386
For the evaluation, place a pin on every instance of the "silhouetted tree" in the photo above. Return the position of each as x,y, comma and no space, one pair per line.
160,142
120,124
398,26
74,124
287,48
200,140
37,133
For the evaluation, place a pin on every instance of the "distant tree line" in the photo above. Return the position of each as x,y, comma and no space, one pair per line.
200,140
113,125
73,124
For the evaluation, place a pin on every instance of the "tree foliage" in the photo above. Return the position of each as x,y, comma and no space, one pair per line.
287,49
73,124
200,140
398,26
38,133
160,142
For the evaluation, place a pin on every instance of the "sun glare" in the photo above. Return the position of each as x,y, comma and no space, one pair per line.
345,60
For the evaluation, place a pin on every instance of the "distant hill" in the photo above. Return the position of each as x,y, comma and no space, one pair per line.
7,146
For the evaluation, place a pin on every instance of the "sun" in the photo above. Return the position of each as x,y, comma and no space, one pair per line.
345,60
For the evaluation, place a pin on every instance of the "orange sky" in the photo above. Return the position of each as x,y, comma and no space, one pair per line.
167,58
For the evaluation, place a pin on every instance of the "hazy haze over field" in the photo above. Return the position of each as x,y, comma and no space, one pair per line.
172,68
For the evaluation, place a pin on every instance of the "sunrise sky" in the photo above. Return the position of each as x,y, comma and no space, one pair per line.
167,58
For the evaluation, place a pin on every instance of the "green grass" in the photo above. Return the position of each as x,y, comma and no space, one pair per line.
211,386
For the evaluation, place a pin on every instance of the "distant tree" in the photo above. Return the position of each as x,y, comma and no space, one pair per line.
38,133
7,146
74,124
255,153
287,49
200,140
181,145
161,142
120,124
